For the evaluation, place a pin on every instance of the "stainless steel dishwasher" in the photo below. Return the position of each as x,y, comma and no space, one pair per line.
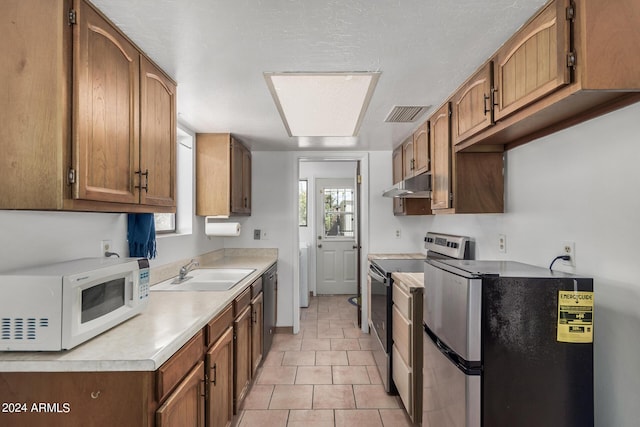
270,290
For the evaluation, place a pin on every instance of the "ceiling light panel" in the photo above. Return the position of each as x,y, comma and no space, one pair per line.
322,104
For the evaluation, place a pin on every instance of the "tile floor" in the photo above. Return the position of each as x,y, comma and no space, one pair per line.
323,376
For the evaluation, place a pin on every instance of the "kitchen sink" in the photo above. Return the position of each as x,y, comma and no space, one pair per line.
206,279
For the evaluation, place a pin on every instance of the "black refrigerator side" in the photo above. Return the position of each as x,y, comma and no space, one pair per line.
529,377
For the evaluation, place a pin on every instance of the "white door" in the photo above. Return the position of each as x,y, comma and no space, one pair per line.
336,250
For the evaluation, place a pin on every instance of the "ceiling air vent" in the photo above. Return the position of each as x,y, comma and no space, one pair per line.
406,113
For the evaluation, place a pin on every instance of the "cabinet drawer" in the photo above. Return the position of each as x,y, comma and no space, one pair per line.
256,287
402,299
176,368
219,324
241,301
402,377
402,335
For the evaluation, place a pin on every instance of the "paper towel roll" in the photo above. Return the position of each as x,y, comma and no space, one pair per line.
226,229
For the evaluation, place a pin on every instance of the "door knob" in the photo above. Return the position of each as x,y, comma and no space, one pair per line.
319,245
354,247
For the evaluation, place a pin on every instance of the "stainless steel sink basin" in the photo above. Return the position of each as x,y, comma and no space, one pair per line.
206,279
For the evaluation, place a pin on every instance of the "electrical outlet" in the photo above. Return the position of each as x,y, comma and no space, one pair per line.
265,236
569,248
502,243
105,246
256,234
398,234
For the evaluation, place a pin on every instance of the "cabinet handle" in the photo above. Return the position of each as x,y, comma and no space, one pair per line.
215,374
245,202
255,316
95,394
484,102
146,183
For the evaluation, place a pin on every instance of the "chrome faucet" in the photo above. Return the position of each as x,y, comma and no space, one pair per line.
185,269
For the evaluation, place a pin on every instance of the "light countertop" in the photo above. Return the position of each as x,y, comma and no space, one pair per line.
146,341
412,280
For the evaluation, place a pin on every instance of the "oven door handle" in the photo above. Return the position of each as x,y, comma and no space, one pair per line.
375,275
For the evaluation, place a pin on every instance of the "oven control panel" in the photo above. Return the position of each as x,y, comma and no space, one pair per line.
456,247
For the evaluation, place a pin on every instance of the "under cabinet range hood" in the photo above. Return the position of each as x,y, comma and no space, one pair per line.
418,187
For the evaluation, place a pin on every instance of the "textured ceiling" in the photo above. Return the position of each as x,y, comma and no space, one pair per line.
217,51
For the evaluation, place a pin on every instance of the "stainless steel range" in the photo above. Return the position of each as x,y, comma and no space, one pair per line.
381,300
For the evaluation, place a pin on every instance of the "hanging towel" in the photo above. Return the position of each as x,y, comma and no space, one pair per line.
141,234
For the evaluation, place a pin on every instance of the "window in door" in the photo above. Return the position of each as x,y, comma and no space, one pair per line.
302,202
338,212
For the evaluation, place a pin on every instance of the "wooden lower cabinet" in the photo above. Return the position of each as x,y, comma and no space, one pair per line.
202,384
242,355
64,399
219,405
185,406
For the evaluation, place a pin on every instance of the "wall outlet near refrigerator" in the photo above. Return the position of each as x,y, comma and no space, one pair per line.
502,243
398,234
569,248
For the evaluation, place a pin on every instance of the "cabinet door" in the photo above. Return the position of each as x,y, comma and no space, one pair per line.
421,149
220,381
105,112
473,105
185,406
396,164
256,332
441,157
242,355
157,136
533,63
240,178
407,158
246,181
237,202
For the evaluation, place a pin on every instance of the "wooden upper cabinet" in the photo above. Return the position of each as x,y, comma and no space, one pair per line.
440,139
223,175
240,178
421,153
157,136
396,164
105,116
472,105
407,158
76,134
534,62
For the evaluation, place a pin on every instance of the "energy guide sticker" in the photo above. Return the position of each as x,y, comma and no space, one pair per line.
575,316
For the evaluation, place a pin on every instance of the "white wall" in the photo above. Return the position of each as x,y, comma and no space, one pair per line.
31,238
273,186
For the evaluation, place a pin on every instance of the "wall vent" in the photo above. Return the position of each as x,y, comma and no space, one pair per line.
406,113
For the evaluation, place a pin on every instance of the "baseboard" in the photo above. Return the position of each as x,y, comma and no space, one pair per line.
284,329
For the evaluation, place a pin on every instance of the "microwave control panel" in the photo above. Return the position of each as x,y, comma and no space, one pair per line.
143,284
143,280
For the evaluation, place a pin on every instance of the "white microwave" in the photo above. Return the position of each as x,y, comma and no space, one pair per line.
58,306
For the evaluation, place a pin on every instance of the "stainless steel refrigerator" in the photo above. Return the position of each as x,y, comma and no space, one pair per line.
506,344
